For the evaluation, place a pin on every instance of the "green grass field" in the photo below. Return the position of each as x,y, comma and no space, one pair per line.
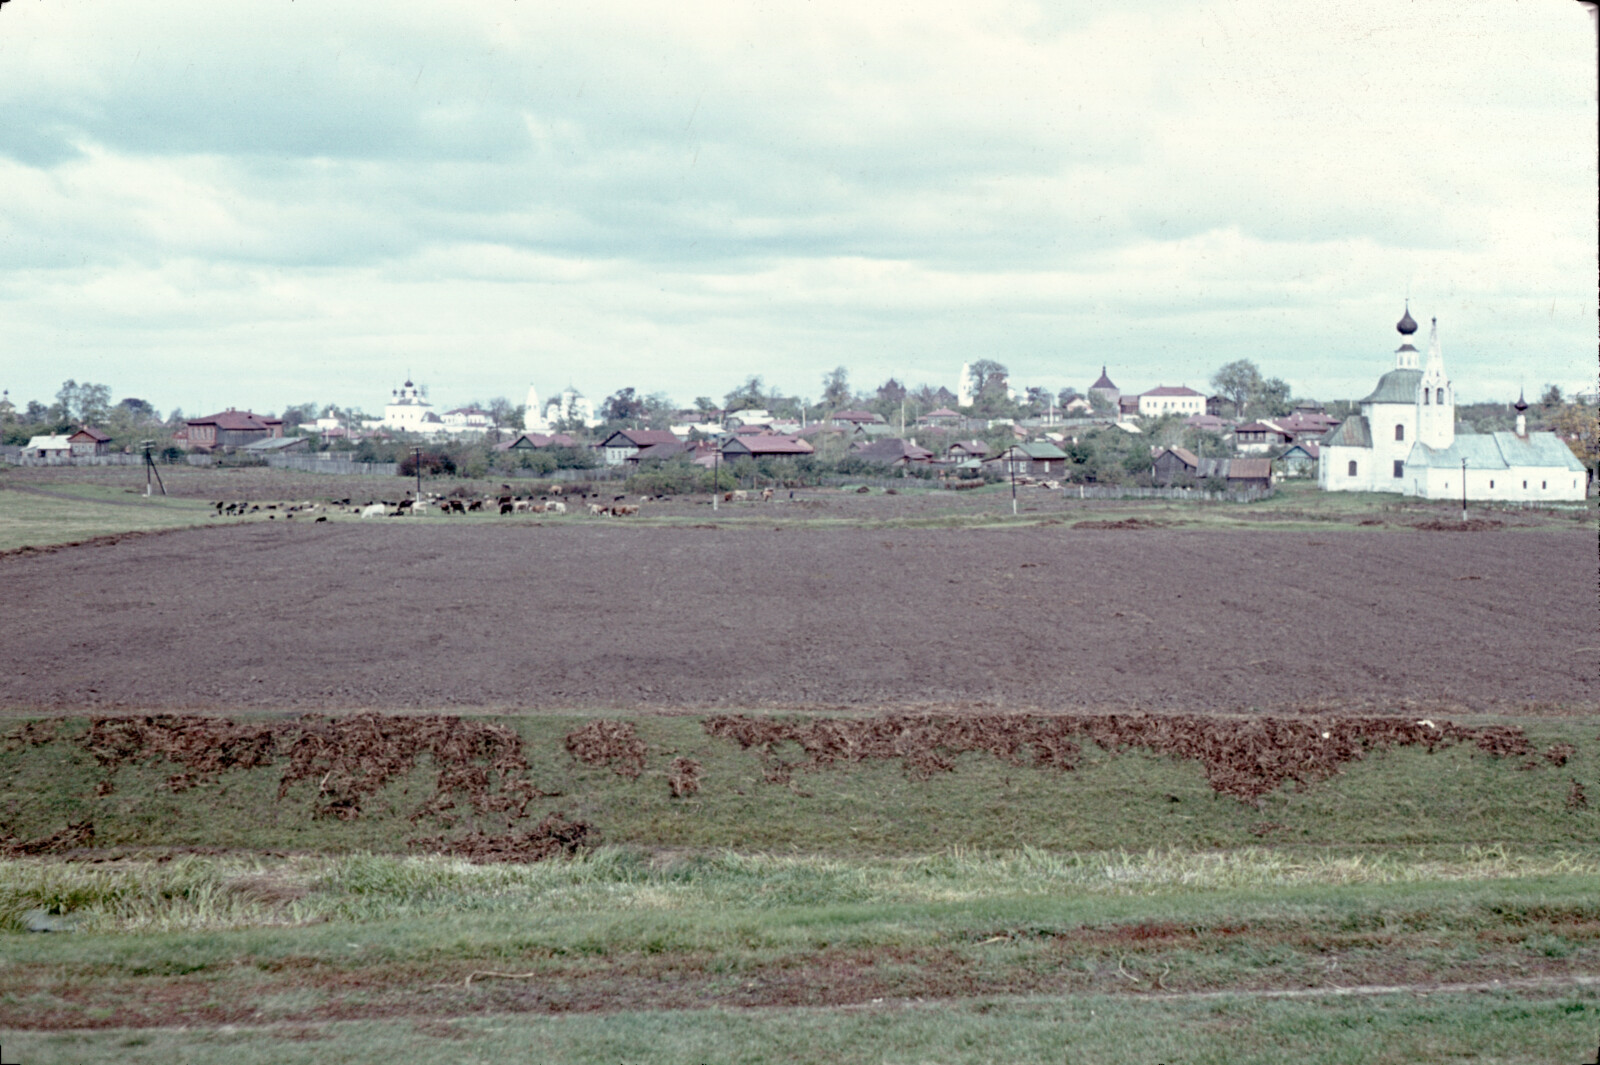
1118,912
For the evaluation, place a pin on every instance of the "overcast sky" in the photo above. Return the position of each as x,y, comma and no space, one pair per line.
263,202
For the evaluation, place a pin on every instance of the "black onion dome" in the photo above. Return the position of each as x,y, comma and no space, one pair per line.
1520,405
1407,325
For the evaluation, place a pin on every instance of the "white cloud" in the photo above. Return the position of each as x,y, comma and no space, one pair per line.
300,200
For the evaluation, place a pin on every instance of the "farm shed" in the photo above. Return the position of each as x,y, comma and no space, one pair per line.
1174,462
47,447
1249,473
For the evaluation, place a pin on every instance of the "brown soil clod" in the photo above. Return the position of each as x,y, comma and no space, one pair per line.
1577,798
613,743
552,837
1558,753
683,777
1242,757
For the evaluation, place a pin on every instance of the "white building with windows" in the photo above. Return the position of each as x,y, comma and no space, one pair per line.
1171,399
570,407
1405,441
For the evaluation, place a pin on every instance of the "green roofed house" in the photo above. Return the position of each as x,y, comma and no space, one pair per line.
1405,441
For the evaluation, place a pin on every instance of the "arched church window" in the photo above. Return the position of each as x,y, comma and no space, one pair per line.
1352,467
1439,397
1399,432
1426,397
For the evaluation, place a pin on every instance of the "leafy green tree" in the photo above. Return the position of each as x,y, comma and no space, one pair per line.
1271,399
1237,382
836,393
85,404
747,396
623,406
506,414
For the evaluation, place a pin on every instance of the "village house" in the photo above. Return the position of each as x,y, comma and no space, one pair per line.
1260,438
89,441
49,446
231,428
766,445
534,441
962,450
1039,458
893,453
622,444
851,419
1299,459
944,417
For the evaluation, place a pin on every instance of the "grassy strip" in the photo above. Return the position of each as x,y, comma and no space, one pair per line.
219,942
1498,1027
29,519
1132,801
203,893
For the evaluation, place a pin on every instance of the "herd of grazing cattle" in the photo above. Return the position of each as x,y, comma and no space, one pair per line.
430,502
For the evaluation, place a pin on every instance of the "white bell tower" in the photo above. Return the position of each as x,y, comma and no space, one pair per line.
1436,399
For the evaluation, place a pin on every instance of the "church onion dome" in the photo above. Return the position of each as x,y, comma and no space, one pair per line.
1521,404
1104,382
1407,325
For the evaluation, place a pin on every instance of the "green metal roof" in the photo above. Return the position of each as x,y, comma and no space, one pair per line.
1498,451
1352,432
1041,449
1538,449
1396,386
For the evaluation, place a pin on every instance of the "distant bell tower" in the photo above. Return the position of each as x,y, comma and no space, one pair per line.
1436,399
1406,357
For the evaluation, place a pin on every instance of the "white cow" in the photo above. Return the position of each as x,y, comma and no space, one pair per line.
374,510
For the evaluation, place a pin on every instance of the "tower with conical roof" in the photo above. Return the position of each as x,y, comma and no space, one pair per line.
1436,400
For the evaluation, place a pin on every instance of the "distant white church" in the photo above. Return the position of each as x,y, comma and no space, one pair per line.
571,406
409,411
1405,440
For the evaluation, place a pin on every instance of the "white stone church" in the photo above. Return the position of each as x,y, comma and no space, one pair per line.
1405,440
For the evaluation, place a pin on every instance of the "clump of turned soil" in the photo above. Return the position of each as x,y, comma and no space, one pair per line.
613,743
1242,757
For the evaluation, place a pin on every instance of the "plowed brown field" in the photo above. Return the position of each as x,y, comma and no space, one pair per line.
399,615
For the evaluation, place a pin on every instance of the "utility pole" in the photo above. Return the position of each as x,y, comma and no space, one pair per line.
1463,489
1012,463
416,456
150,468
716,472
